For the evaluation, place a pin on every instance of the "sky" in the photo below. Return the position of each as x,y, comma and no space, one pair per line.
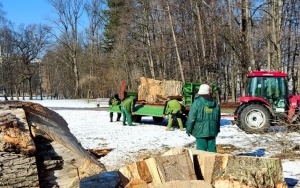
91,126
26,11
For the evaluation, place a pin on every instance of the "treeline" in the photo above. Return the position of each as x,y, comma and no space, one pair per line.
88,46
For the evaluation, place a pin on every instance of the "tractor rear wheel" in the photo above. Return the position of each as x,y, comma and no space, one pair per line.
136,118
255,118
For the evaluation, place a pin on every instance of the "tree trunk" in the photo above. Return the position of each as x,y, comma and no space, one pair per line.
239,171
148,41
175,44
38,149
201,39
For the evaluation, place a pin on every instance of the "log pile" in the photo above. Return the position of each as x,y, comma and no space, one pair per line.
155,91
38,150
185,168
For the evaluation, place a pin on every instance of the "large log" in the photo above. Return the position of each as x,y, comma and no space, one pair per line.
226,171
158,170
155,91
217,170
38,150
250,172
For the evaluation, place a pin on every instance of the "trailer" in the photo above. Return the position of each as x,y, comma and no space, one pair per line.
155,110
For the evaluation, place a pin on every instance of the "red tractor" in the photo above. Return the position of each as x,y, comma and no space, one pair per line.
266,102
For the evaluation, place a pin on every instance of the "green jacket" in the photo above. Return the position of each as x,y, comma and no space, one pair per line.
114,102
172,107
128,104
204,118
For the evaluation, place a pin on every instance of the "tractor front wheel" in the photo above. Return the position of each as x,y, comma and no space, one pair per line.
254,118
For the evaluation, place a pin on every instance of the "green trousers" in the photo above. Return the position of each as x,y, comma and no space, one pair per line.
170,122
126,116
206,144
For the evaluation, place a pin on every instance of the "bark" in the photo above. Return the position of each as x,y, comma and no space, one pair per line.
39,150
148,40
249,172
201,39
175,44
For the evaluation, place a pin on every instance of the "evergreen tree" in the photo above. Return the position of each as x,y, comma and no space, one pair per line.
113,15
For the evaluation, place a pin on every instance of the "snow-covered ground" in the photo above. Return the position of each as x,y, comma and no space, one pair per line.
92,128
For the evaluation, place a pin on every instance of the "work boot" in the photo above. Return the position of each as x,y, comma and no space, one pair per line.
118,119
124,124
111,120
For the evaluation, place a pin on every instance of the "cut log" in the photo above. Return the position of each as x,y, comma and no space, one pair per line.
217,170
158,170
156,91
38,150
223,170
239,171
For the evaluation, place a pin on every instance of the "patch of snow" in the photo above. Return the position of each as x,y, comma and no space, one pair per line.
93,130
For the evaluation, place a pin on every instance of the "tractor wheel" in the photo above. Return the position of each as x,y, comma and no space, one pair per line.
136,118
157,119
255,118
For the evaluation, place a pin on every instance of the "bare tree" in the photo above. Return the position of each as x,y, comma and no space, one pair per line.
175,42
30,41
69,13
96,18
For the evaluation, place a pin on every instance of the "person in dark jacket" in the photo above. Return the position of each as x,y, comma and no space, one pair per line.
173,110
204,120
114,101
127,110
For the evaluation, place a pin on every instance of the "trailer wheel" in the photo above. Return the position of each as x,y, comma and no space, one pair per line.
255,118
157,119
136,118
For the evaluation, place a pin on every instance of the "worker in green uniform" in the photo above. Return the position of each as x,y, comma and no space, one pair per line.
127,110
204,120
173,110
114,101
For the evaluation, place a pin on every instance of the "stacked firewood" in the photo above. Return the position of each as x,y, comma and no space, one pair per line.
155,91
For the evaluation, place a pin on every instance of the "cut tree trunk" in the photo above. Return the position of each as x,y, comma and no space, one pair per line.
38,150
156,91
217,170
250,172
158,170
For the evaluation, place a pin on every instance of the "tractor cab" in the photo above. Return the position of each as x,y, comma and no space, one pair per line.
265,101
269,88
